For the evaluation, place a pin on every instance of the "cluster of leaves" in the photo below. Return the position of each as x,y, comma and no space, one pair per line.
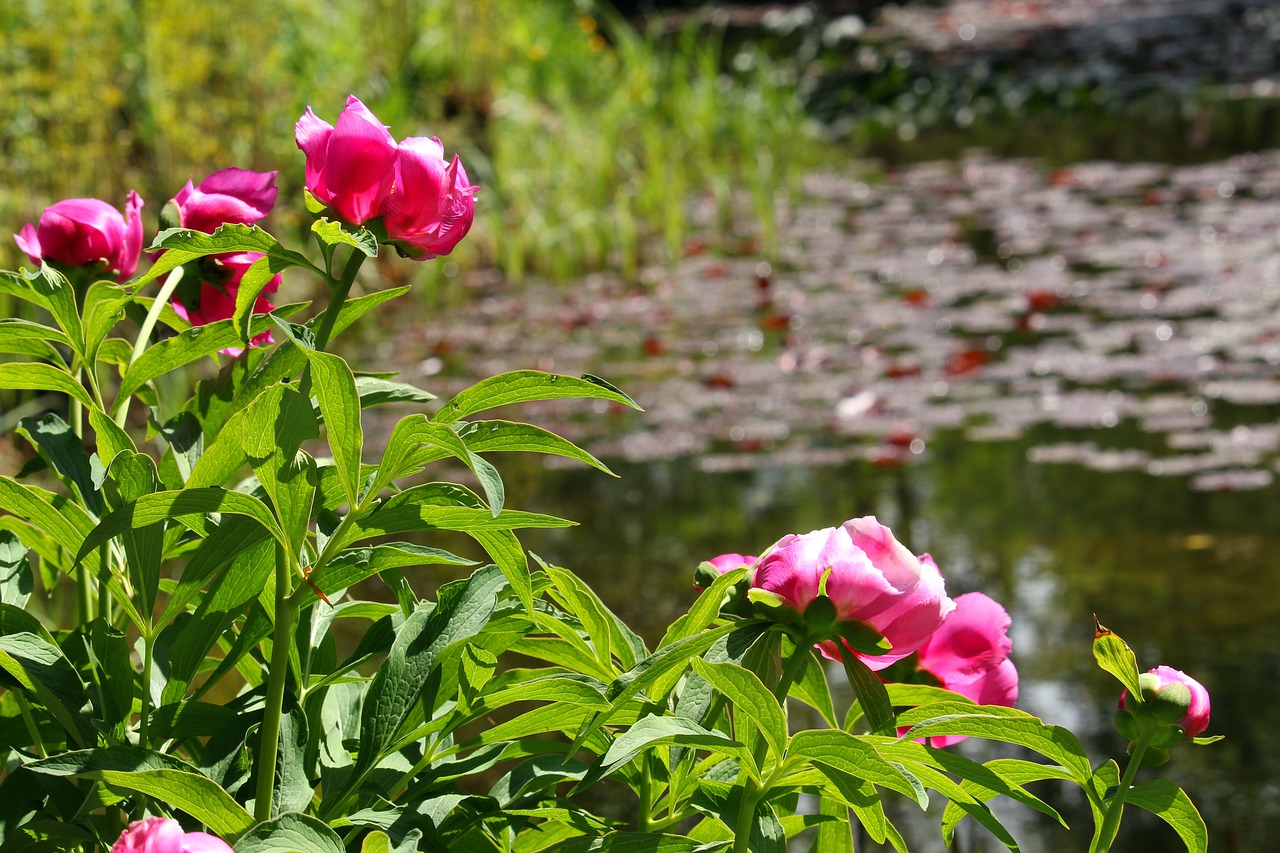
201,677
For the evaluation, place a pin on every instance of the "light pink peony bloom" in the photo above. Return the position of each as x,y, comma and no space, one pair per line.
433,204
351,167
165,835
873,579
969,655
1196,719
237,196
87,232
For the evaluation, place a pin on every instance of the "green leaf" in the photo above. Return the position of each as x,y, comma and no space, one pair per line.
353,565
834,836
377,391
26,338
704,610
581,601
627,842
415,441
648,672
16,578
724,803
40,668
1172,805
856,757
182,245
333,233
870,690
1011,772
111,438
654,731
507,436
335,388
32,376
64,451
104,304
749,698
1114,656
56,294
1007,725
131,476
185,503
525,386
463,610
505,549
290,833
196,342
55,516
252,283
444,506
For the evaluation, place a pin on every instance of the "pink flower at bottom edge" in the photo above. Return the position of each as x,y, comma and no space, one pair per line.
165,835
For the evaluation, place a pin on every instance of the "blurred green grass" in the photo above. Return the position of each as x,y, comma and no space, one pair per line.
587,136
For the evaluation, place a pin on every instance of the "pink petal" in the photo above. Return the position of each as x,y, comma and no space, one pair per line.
312,135
235,196
972,640
29,242
150,835
132,236
203,842
360,169
729,562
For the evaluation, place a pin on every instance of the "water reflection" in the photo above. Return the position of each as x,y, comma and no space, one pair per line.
1187,577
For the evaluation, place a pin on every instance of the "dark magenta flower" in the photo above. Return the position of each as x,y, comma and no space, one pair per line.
89,233
426,203
165,835
350,167
433,204
236,196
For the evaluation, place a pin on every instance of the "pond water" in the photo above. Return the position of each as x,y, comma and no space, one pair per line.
1062,382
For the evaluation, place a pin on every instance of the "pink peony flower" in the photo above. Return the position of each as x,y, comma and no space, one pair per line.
87,232
1196,720
165,835
969,655
427,204
872,579
350,167
433,204
237,196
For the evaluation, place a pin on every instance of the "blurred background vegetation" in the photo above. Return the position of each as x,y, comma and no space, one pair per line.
585,134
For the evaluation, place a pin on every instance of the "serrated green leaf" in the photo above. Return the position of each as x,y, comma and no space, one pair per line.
525,386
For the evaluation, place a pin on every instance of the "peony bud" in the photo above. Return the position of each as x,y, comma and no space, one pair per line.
1170,698
88,233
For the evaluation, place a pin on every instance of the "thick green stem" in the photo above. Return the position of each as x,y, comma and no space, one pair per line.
1115,806
340,289
277,676
746,816
646,795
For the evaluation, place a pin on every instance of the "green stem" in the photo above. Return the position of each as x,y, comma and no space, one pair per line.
144,335
746,816
341,288
646,795
1115,806
795,666
269,733
148,658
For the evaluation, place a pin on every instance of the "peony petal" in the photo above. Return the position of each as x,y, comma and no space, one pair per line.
132,248
203,842
29,242
972,640
312,135
235,196
359,172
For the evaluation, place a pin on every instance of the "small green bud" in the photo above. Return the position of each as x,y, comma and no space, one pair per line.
170,216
